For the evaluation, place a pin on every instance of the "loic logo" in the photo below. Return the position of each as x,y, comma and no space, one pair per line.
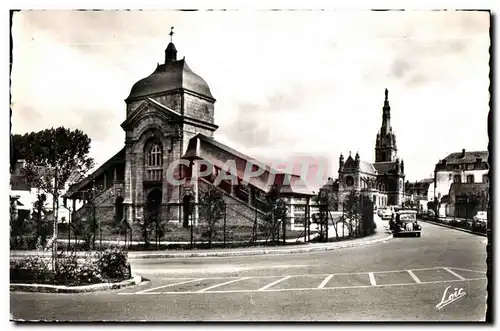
451,297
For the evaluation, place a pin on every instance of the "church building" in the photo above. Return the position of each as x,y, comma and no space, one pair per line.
170,117
383,180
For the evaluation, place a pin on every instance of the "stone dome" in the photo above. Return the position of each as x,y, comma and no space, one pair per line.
171,75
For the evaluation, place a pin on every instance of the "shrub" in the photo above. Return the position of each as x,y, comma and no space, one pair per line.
89,272
113,264
71,270
31,269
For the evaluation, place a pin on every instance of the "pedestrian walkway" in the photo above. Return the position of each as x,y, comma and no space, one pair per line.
205,285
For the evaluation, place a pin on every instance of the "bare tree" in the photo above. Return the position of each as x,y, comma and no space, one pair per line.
275,212
212,208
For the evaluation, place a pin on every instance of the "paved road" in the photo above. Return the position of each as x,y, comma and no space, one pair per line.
401,279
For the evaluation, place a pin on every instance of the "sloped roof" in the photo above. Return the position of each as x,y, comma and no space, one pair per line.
200,146
118,158
296,187
420,185
426,180
467,157
367,167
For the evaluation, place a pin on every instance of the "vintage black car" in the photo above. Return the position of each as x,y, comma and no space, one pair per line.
404,223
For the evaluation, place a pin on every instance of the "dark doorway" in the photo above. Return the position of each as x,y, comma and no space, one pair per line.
153,205
119,209
187,209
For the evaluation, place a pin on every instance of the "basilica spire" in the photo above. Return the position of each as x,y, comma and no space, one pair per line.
385,147
386,115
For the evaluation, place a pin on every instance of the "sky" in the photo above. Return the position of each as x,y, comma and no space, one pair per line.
287,83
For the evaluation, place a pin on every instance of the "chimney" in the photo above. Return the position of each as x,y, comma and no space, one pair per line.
463,152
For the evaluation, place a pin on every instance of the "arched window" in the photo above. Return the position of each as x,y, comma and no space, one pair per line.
154,163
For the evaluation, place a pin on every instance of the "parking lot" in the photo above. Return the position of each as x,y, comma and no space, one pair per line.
415,277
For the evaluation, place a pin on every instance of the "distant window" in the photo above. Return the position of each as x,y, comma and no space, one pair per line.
470,179
451,176
470,166
457,179
485,178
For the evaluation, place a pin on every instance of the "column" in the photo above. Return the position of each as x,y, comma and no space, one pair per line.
128,183
292,214
165,186
250,195
195,186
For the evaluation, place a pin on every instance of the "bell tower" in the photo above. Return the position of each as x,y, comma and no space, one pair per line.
385,147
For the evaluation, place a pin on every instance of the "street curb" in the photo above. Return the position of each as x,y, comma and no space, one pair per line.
257,252
45,288
455,228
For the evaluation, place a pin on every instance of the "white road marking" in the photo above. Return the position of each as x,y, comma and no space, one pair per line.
169,285
323,284
481,272
315,288
310,275
225,283
454,273
372,279
273,283
325,281
415,278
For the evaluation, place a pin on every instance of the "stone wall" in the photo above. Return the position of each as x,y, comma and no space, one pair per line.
199,108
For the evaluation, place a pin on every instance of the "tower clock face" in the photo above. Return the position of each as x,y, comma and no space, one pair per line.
349,181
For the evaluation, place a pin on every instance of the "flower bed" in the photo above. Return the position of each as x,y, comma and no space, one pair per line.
72,269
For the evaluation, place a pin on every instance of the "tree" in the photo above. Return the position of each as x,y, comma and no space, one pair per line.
55,158
325,203
212,208
150,225
120,227
275,211
82,231
16,229
18,147
146,226
352,211
38,217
